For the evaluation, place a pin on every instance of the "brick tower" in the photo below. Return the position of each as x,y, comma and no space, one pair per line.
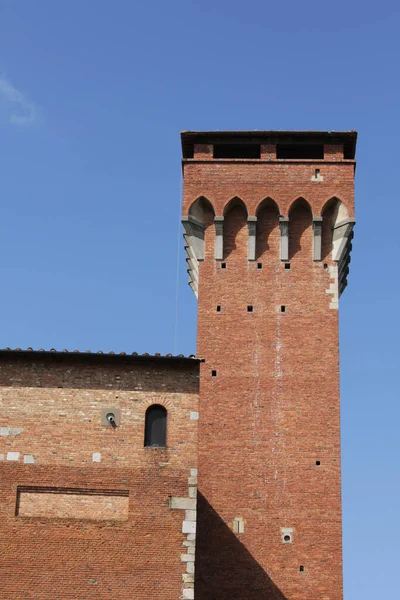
268,219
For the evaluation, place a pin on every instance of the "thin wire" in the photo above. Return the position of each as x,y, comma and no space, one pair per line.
178,256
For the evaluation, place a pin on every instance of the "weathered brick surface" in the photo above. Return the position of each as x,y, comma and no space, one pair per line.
272,411
57,403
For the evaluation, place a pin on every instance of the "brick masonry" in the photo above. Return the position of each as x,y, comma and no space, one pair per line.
271,410
121,545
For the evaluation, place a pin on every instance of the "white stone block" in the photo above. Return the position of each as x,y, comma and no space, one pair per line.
188,578
190,515
194,472
13,456
1,456
194,415
186,558
192,492
96,457
192,481
182,503
191,537
188,594
28,459
190,567
188,544
189,527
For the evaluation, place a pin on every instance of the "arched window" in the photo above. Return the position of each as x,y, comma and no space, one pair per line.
155,429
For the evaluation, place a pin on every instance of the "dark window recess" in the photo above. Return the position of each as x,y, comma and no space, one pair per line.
236,150
317,462
223,265
301,568
213,373
155,433
287,266
218,308
310,151
259,265
249,308
283,308
325,267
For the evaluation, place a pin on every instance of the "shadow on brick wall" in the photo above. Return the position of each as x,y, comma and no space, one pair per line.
225,570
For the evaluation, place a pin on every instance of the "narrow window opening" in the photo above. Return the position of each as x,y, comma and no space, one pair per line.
218,308
287,266
317,462
325,267
223,265
213,373
283,308
236,150
301,568
259,265
155,434
249,308
301,151
286,538
317,172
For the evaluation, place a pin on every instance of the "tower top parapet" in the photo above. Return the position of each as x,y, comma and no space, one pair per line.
268,145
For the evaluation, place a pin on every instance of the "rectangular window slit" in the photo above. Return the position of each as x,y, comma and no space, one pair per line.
301,568
213,373
283,308
218,308
317,462
236,150
223,265
249,308
287,266
259,266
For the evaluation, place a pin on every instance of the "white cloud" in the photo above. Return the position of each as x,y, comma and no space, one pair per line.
21,111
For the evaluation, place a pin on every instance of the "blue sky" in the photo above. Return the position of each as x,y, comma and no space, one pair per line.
93,96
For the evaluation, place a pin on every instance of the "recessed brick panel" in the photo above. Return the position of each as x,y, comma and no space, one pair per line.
70,504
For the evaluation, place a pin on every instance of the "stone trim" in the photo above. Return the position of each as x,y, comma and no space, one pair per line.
193,233
251,244
341,248
219,238
333,287
189,505
317,238
284,229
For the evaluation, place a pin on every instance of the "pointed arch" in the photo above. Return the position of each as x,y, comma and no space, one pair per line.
235,229
333,212
267,236
200,209
300,229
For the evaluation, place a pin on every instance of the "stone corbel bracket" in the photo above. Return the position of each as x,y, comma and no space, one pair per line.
251,245
284,229
219,237
317,237
342,237
193,233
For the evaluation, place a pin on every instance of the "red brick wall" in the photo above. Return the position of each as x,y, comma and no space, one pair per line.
57,404
272,411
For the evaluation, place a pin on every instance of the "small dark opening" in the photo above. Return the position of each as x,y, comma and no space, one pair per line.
236,150
213,373
218,308
259,265
287,538
301,568
325,266
287,266
317,462
283,308
249,308
307,151
223,265
155,433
